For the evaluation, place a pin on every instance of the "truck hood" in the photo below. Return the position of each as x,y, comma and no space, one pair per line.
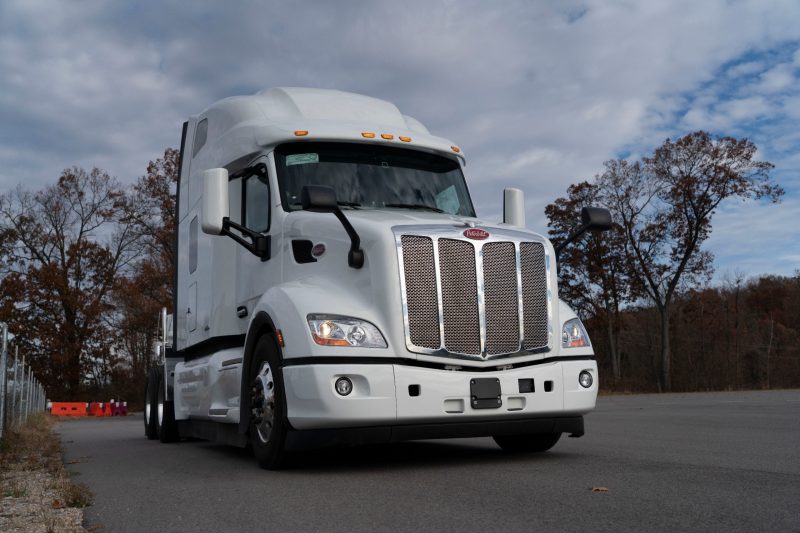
374,222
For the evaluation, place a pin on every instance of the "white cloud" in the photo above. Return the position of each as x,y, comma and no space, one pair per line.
745,69
776,79
756,237
537,94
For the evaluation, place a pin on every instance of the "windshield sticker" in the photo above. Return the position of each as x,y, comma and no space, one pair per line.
301,159
447,200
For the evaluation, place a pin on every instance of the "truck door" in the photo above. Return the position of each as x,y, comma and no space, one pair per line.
259,199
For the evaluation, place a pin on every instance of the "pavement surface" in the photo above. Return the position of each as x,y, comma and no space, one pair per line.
690,462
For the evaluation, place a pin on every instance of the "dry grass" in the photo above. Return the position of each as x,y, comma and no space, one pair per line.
37,491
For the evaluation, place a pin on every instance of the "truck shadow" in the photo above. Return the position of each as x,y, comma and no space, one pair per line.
403,455
413,454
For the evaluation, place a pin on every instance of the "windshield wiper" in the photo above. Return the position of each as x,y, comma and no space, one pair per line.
416,206
349,204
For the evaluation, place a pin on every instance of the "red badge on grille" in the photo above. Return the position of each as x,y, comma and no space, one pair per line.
476,233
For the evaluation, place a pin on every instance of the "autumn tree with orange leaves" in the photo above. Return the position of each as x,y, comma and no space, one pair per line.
86,266
65,248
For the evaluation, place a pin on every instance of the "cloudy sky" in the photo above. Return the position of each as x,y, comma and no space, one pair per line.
538,94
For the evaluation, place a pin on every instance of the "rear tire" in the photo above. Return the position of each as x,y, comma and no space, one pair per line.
535,443
150,400
268,426
166,427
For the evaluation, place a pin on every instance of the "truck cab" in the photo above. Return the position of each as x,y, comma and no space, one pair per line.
335,285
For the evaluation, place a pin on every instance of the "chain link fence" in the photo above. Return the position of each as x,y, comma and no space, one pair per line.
21,394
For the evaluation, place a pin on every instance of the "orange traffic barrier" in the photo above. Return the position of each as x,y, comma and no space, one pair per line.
68,409
95,409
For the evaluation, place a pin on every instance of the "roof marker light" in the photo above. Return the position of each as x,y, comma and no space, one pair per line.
405,139
368,134
301,133
387,136
456,149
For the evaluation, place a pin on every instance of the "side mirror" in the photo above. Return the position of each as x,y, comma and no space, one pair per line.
592,219
321,199
214,208
596,218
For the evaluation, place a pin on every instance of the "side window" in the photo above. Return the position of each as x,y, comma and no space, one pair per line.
255,202
193,245
200,136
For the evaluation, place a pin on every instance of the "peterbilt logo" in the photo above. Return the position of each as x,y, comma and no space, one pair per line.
318,249
476,233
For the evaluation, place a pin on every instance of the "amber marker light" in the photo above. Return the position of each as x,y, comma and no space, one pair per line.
367,134
405,139
279,334
301,133
330,342
387,136
456,149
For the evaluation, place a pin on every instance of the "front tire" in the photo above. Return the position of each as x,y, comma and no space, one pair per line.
535,443
268,426
150,404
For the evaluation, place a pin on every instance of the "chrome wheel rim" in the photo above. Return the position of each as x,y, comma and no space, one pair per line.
262,403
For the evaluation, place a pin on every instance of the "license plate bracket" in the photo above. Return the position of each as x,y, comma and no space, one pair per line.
485,393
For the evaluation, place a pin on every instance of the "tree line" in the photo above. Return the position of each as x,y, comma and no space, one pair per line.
87,264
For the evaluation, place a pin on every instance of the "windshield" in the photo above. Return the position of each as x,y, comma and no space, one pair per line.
373,176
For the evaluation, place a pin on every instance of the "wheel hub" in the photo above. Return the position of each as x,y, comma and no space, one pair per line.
262,402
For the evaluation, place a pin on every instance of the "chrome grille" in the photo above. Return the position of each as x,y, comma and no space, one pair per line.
534,295
501,297
421,298
473,299
462,333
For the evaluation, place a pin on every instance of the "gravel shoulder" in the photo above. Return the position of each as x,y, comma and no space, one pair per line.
38,494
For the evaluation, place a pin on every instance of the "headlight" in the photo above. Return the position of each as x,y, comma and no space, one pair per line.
336,330
573,335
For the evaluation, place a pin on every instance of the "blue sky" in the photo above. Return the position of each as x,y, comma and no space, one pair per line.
538,94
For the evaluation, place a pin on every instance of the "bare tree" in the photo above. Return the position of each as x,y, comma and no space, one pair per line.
665,205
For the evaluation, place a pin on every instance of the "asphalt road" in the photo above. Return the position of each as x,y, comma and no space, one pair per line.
699,462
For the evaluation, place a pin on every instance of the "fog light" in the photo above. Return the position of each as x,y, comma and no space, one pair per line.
344,386
585,379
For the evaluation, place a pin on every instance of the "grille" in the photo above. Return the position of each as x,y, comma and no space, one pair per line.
418,269
534,295
462,330
501,298
470,305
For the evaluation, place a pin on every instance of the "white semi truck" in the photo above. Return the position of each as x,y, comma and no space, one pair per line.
333,284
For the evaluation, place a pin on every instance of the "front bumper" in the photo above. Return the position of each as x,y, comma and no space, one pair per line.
436,402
